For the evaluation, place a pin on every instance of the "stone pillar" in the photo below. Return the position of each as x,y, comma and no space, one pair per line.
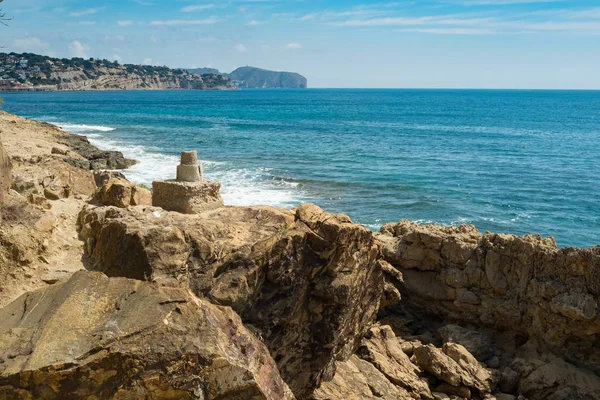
189,170
189,193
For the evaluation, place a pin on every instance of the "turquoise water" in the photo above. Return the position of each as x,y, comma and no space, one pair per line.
508,161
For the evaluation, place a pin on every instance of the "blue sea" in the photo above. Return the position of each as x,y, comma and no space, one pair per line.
505,161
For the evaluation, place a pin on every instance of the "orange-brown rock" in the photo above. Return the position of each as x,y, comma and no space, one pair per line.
5,175
521,289
122,193
95,337
307,281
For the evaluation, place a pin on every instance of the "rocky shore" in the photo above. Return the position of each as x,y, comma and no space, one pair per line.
104,296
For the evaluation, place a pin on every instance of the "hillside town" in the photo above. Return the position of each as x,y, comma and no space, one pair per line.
32,72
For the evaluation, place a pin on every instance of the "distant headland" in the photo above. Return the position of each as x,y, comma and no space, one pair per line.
251,77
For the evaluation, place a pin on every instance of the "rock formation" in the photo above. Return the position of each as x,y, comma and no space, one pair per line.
95,337
120,192
537,302
189,193
5,175
307,281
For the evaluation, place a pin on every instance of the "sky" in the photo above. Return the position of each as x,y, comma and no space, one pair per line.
533,44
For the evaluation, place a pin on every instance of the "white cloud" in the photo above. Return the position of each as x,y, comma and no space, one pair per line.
115,37
81,13
240,47
147,61
255,22
124,23
78,49
293,46
178,22
31,44
116,57
153,39
198,7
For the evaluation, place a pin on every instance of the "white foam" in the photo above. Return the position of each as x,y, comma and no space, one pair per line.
79,128
239,186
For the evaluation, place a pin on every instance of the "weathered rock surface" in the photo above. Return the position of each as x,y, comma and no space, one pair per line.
96,159
522,289
5,175
187,197
307,281
95,337
122,193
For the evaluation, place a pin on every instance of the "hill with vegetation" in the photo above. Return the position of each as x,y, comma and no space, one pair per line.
251,77
35,72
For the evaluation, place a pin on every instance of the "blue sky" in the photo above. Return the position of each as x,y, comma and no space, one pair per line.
430,43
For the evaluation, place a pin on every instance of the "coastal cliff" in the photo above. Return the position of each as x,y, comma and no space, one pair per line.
250,77
268,303
34,72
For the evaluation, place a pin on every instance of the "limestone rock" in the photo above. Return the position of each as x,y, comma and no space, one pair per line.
121,193
382,349
95,337
97,159
5,175
455,366
309,282
186,197
524,286
358,379
474,341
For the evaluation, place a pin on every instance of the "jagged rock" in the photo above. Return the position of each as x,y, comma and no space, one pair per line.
382,349
524,286
551,378
121,193
97,159
309,282
358,379
95,337
475,342
455,366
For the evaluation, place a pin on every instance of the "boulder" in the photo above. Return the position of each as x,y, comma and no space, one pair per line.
122,193
474,341
95,337
382,349
358,379
455,366
307,281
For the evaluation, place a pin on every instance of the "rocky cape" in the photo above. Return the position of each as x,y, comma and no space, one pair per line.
104,296
257,78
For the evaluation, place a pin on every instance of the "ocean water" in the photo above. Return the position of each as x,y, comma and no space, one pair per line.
505,161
